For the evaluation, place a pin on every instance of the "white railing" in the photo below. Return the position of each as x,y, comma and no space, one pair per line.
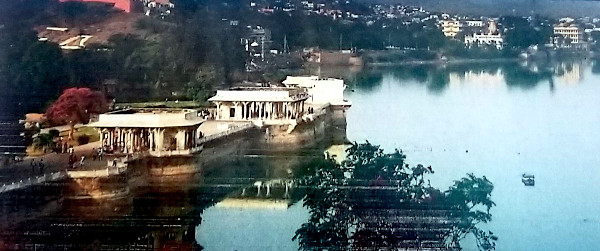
33,181
110,170
229,131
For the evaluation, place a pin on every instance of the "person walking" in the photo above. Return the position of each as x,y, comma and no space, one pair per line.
33,165
72,159
41,164
94,154
81,162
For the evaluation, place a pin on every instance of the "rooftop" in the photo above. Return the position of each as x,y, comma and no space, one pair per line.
149,118
260,94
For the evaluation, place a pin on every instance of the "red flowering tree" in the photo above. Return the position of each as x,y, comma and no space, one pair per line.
75,105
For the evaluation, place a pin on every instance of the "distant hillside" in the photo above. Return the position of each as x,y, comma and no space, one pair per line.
506,7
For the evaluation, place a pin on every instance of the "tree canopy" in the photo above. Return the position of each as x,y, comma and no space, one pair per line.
75,105
374,200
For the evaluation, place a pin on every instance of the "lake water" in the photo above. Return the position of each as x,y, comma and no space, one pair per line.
546,124
493,120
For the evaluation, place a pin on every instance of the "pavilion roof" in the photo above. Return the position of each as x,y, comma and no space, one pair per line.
148,120
270,94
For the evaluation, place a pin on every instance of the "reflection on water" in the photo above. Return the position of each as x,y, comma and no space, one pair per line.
437,78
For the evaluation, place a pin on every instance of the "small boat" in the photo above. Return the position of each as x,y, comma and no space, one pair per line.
528,179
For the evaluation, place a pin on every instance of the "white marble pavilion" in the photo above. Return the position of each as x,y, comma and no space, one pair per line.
322,91
265,105
160,132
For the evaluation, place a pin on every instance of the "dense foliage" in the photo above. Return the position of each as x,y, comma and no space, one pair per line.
374,200
76,105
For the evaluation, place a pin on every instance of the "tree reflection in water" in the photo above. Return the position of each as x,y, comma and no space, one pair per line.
374,200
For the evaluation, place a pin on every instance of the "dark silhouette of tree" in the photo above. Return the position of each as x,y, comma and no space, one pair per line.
374,200
75,105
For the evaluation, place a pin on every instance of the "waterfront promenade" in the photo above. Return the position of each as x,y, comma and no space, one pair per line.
56,165
53,163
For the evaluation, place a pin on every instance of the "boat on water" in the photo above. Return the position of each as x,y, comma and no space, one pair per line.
528,179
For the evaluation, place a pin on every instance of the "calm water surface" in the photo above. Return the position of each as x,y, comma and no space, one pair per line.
511,120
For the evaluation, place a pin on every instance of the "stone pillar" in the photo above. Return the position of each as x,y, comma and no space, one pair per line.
218,111
160,140
180,136
128,141
270,110
235,114
278,110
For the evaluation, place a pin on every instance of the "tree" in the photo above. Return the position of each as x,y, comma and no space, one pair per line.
200,86
75,105
44,141
374,200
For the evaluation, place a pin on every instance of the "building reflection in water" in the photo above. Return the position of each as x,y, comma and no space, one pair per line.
569,73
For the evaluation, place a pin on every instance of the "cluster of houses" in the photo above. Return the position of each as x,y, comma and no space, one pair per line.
477,31
567,32
480,31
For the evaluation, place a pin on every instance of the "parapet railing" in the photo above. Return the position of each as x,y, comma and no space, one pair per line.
33,181
110,170
229,131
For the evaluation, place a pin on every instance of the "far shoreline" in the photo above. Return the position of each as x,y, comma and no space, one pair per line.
440,62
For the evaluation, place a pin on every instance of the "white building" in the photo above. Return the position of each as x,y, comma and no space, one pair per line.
321,90
491,37
450,27
474,23
262,105
156,131
567,33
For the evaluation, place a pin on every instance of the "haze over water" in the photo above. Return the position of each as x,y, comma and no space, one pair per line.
543,124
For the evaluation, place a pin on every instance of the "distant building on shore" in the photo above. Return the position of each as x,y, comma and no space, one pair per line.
451,27
159,132
567,34
490,37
